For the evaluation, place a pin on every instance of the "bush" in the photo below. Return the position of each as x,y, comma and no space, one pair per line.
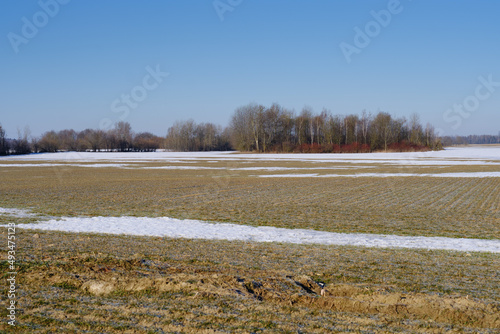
405,146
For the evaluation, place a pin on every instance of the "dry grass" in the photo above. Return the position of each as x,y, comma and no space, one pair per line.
77,283
451,207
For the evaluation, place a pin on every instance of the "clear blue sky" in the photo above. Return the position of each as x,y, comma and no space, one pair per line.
73,71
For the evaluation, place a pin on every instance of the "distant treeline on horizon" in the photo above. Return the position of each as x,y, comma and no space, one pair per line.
255,128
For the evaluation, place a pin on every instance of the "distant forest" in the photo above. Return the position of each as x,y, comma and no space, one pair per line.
254,128
471,139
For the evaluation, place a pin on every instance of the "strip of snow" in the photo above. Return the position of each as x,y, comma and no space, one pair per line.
472,155
18,213
289,175
471,174
296,168
459,175
180,167
104,165
193,229
130,166
65,165
33,165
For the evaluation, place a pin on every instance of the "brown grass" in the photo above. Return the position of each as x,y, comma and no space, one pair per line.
451,207
75,282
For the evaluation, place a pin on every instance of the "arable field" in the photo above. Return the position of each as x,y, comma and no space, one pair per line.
114,283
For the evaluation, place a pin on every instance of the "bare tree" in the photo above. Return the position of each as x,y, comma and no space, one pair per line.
351,122
335,129
320,124
382,130
95,139
124,135
49,142
22,143
189,136
364,122
430,137
415,128
68,140
4,145
241,128
305,127
146,142
247,127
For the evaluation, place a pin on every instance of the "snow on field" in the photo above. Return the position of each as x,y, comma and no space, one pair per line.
64,165
169,227
183,167
249,168
296,168
450,156
131,166
463,156
472,174
470,153
193,229
18,213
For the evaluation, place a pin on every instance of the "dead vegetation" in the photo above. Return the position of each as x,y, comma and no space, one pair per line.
449,207
114,284
76,283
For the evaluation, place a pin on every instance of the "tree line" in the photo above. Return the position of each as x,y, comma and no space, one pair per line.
258,128
121,138
189,136
471,139
253,128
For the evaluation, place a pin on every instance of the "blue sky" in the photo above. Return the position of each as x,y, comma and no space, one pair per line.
85,57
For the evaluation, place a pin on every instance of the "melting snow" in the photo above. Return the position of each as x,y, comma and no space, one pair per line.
193,229
450,156
472,174
18,213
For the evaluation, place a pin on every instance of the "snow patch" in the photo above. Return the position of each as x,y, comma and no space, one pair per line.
65,165
193,229
472,155
17,213
459,175
296,168
181,167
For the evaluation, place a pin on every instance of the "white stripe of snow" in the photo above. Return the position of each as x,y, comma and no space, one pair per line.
18,213
472,174
64,165
192,229
460,156
290,175
296,168
180,167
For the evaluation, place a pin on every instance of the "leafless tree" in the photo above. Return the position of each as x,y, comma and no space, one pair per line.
22,143
189,136
146,142
49,142
124,135
351,122
364,122
382,130
416,133
4,145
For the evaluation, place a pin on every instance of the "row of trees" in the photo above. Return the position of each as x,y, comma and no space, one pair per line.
471,139
189,136
256,128
121,138
252,127
18,146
